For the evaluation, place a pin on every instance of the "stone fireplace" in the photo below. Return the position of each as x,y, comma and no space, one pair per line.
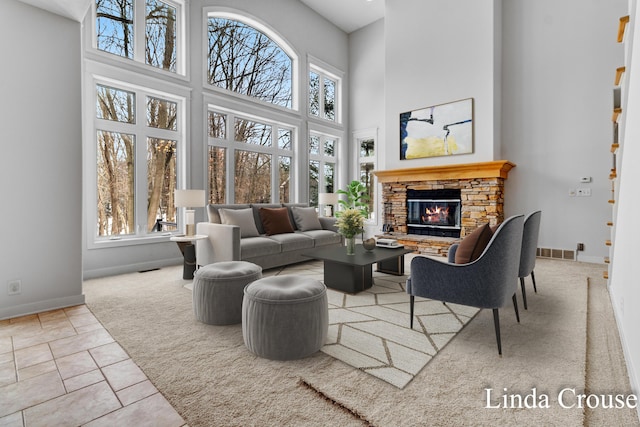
481,189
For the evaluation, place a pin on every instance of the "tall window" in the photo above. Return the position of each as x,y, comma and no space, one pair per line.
366,145
324,90
117,27
244,60
259,154
137,136
322,165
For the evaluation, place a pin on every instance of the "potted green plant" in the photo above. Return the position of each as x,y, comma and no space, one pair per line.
357,198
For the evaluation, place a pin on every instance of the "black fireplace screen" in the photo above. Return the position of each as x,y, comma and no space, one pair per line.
434,212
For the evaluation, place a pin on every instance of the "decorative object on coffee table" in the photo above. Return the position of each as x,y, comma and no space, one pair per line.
218,290
369,244
350,223
285,317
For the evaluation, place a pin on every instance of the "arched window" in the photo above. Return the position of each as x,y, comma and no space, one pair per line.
245,60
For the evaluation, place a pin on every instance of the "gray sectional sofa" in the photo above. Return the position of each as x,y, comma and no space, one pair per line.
260,233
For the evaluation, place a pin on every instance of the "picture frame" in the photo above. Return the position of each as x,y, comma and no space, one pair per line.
438,130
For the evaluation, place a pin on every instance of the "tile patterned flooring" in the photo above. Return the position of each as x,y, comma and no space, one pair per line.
62,368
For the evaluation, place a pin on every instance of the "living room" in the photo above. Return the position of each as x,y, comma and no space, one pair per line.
540,74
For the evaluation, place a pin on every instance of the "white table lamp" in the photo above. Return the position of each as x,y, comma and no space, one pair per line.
189,199
329,200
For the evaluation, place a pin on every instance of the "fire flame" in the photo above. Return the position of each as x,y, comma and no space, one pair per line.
435,214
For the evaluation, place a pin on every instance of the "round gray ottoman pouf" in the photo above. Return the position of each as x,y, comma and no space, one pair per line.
285,317
218,291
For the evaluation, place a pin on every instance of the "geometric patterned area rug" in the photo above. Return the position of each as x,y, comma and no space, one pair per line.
370,330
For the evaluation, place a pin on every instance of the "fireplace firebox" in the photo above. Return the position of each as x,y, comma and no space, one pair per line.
434,212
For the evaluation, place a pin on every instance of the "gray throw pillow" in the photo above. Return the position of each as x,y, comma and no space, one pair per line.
306,218
243,218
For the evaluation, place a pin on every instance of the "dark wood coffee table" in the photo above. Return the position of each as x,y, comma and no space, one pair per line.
354,273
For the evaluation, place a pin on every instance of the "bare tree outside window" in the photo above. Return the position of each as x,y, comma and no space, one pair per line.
252,177
115,183
217,174
284,188
114,27
244,60
160,49
367,165
115,161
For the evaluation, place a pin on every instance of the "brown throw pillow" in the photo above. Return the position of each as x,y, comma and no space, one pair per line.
473,244
275,221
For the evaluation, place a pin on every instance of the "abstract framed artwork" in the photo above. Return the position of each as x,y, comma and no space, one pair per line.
440,130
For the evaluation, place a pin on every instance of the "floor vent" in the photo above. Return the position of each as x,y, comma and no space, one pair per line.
557,253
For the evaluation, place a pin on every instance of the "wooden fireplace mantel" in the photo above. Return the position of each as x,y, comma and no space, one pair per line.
494,169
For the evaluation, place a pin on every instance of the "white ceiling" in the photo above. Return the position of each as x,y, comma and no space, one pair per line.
348,15
72,9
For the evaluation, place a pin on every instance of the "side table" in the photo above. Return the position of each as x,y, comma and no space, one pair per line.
188,249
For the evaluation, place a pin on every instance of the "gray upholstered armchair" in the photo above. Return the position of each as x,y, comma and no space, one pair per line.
528,253
487,282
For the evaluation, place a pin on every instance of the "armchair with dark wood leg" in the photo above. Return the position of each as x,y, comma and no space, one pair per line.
528,253
487,282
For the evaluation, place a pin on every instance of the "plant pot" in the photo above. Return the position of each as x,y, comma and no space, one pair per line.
351,245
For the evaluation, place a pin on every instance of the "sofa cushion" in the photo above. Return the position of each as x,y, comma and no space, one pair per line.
289,206
323,237
293,241
306,218
243,218
275,221
213,211
471,247
256,213
252,247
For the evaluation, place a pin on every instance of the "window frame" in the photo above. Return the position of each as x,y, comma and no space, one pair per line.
103,74
139,40
259,25
323,159
325,71
358,136
231,145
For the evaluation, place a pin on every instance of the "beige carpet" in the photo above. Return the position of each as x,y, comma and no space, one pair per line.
212,380
370,330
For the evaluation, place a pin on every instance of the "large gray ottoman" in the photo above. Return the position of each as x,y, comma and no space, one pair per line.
218,291
285,317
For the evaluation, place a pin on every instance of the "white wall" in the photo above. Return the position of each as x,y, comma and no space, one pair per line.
559,62
438,52
367,102
540,74
625,270
40,168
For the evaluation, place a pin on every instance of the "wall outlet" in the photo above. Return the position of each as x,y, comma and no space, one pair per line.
14,287
580,247
583,192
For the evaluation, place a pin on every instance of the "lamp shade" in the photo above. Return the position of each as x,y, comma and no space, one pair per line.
189,198
328,199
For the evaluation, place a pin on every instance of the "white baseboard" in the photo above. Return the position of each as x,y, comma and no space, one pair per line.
130,268
40,306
